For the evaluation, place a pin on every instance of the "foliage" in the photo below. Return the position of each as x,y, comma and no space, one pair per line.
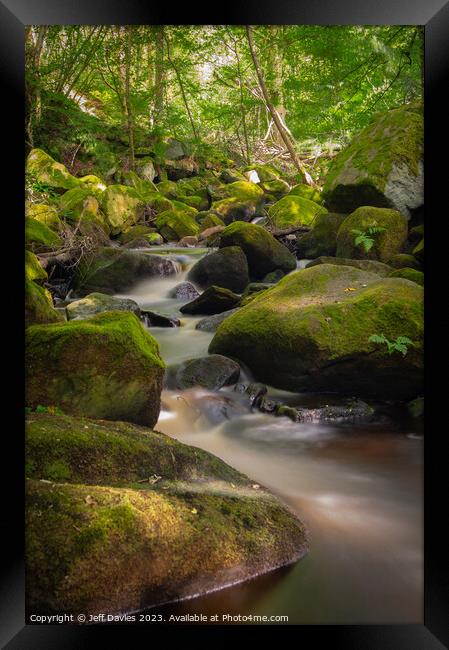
366,238
401,344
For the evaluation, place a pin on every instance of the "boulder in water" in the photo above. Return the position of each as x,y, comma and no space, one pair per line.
211,323
211,372
213,301
184,291
226,267
96,303
152,319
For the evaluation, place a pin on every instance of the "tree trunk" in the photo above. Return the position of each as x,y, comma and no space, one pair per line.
159,79
181,87
129,113
277,120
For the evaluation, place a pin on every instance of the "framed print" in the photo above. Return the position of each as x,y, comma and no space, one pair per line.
228,336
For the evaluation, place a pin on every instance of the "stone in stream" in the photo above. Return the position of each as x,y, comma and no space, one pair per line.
188,242
211,372
311,332
213,301
184,291
143,520
322,238
95,303
210,323
141,242
152,319
382,166
263,252
354,411
226,268
111,270
107,367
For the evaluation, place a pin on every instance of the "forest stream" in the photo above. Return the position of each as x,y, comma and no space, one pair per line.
357,488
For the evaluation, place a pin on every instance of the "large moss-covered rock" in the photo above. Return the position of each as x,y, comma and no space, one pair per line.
43,168
276,189
96,303
409,274
294,211
107,367
46,214
168,189
322,238
39,305
110,270
382,166
311,332
71,203
212,301
144,187
239,201
263,252
176,224
225,268
307,192
372,266
387,243
123,207
208,220
33,268
233,209
37,233
241,190
101,540
135,232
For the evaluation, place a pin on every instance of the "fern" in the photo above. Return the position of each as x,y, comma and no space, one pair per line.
366,238
401,344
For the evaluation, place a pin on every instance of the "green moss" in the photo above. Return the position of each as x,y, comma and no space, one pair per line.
197,202
266,173
276,188
241,191
71,203
403,260
174,225
307,192
33,269
39,305
43,168
45,214
123,207
168,189
323,317
145,189
134,232
293,211
183,207
409,274
387,243
263,252
108,366
208,220
38,233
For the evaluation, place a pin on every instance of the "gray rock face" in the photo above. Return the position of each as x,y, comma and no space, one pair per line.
96,303
227,268
214,300
382,166
211,323
184,291
211,372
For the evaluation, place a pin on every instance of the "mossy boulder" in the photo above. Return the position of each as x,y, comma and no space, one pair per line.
230,175
106,367
294,211
173,225
168,189
33,268
263,252
409,274
372,266
191,186
46,170
404,260
37,233
145,169
96,303
122,206
276,189
323,318
212,301
382,166
110,270
208,220
226,267
266,173
322,238
145,189
211,372
184,208
233,209
71,203
193,201
93,182
46,214
387,243
418,251
182,168
100,540
134,232
307,192
241,190
39,305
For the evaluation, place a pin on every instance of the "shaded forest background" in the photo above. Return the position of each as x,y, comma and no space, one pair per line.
293,95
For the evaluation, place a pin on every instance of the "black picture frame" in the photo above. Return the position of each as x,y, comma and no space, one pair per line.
434,15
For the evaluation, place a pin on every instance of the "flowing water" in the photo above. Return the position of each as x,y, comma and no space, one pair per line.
357,488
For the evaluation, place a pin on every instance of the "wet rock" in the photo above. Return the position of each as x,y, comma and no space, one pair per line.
188,242
211,323
254,391
211,232
184,291
211,372
138,243
214,300
152,319
226,268
353,411
372,266
95,303
219,408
